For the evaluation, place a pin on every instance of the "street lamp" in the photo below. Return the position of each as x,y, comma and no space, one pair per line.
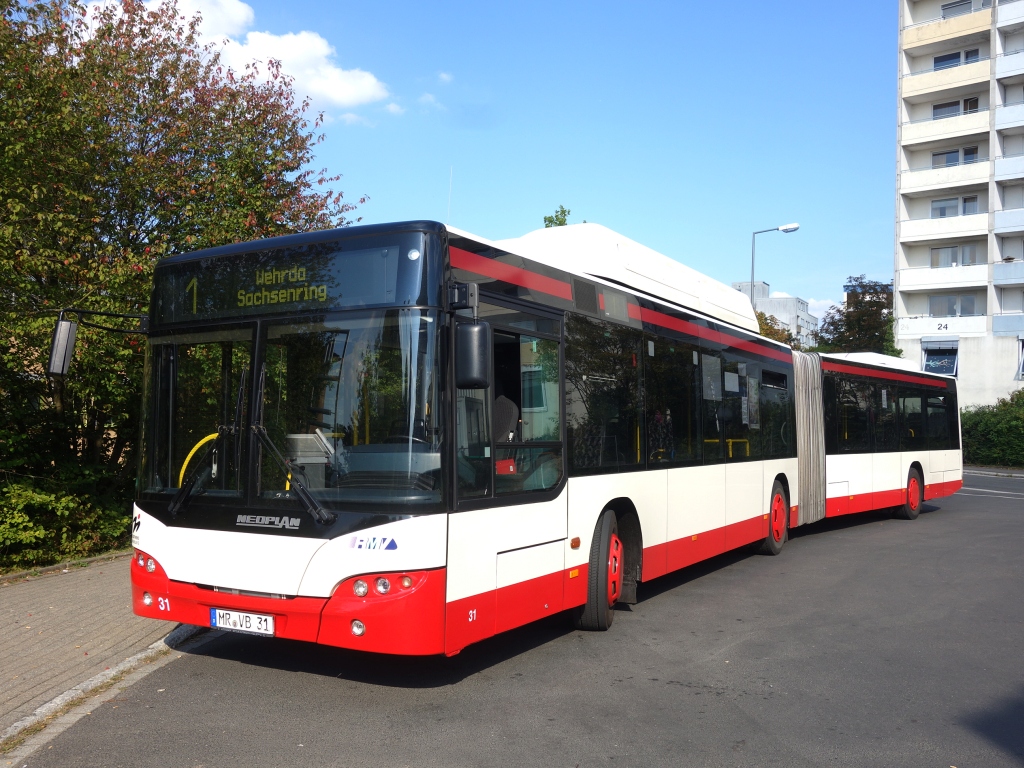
784,228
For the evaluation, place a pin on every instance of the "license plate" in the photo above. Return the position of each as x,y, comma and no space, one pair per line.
237,621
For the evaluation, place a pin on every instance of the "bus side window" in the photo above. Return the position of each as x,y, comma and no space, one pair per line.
911,424
778,438
741,414
854,415
938,423
602,396
886,435
712,397
672,402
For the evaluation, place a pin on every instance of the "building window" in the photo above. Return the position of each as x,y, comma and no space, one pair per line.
944,257
970,155
1020,361
946,109
947,60
945,158
955,305
943,209
957,8
970,105
940,361
970,205
972,55
970,254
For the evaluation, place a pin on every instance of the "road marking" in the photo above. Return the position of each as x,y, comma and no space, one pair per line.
988,496
992,490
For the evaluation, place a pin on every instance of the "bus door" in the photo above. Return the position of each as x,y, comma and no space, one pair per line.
507,534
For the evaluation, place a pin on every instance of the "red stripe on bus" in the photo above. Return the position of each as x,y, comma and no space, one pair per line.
827,365
865,502
685,326
481,265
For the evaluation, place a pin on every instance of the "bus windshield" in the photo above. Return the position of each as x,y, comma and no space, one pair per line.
349,402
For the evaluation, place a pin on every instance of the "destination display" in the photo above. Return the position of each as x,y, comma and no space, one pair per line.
317,276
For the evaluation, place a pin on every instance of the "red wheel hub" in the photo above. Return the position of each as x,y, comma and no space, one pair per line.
778,517
914,493
614,569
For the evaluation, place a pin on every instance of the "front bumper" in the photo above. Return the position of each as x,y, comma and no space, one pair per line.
406,620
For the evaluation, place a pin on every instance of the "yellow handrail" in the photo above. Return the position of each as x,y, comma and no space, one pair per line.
196,447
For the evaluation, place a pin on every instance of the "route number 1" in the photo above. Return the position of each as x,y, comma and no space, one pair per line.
194,287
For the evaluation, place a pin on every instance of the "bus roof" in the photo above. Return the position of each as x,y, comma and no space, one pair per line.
598,252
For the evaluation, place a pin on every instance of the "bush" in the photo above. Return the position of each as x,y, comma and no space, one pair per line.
40,527
994,434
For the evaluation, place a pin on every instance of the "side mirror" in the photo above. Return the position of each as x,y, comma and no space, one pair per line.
61,349
472,356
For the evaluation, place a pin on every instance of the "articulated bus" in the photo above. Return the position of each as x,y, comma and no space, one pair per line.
406,439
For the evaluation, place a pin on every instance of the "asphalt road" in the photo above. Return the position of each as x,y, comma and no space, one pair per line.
868,642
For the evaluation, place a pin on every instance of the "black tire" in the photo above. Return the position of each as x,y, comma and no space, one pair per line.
604,576
778,522
911,508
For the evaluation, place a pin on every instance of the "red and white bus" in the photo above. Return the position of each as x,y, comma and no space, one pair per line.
406,439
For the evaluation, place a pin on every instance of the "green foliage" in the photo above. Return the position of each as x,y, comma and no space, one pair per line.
771,328
560,219
865,324
122,140
42,526
993,435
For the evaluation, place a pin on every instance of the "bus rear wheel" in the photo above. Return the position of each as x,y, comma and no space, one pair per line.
604,578
911,508
778,522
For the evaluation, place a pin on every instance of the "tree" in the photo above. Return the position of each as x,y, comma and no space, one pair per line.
560,219
864,324
772,328
123,140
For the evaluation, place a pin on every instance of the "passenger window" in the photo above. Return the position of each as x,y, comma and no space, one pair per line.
713,398
741,410
672,402
854,415
886,434
911,425
938,424
527,414
473,443
777,436
603,405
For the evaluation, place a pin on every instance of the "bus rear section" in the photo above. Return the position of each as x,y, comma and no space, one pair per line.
875,434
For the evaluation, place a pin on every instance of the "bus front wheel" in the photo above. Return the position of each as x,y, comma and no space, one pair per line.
778,522
911,508
604,578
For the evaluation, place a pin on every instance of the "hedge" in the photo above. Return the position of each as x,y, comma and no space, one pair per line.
993,435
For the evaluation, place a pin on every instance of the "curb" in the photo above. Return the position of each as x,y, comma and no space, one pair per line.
993,472
178,636
49,570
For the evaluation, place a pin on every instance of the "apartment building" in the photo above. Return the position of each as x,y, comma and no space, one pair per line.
791,311
959,251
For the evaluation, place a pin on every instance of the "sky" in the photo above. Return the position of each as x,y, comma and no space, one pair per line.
685,126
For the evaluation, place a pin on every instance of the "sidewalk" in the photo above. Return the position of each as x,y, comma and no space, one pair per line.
994,471
60,629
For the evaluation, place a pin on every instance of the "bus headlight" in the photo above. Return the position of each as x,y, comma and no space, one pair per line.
358,628
359,589
383,585
150,565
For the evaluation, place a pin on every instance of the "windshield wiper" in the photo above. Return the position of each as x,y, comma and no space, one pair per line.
318,513
183,497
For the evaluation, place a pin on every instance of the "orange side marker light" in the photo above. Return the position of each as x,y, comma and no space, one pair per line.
574,573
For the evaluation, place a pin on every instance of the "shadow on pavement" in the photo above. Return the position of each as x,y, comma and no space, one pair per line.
378,669
1003,725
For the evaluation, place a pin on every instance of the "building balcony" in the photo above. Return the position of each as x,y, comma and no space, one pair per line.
1009,324
928,32
931,129
918,230
962,174
926,325
946,79
1009,221
1008,273
1009,12
1010,116
1009,167
1010,64
943,278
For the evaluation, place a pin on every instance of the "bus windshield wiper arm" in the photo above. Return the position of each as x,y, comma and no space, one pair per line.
317,512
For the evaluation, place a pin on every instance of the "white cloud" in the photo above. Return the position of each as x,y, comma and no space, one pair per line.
430,100
818,307
351,118
395,109
444,77
779,295
304,55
